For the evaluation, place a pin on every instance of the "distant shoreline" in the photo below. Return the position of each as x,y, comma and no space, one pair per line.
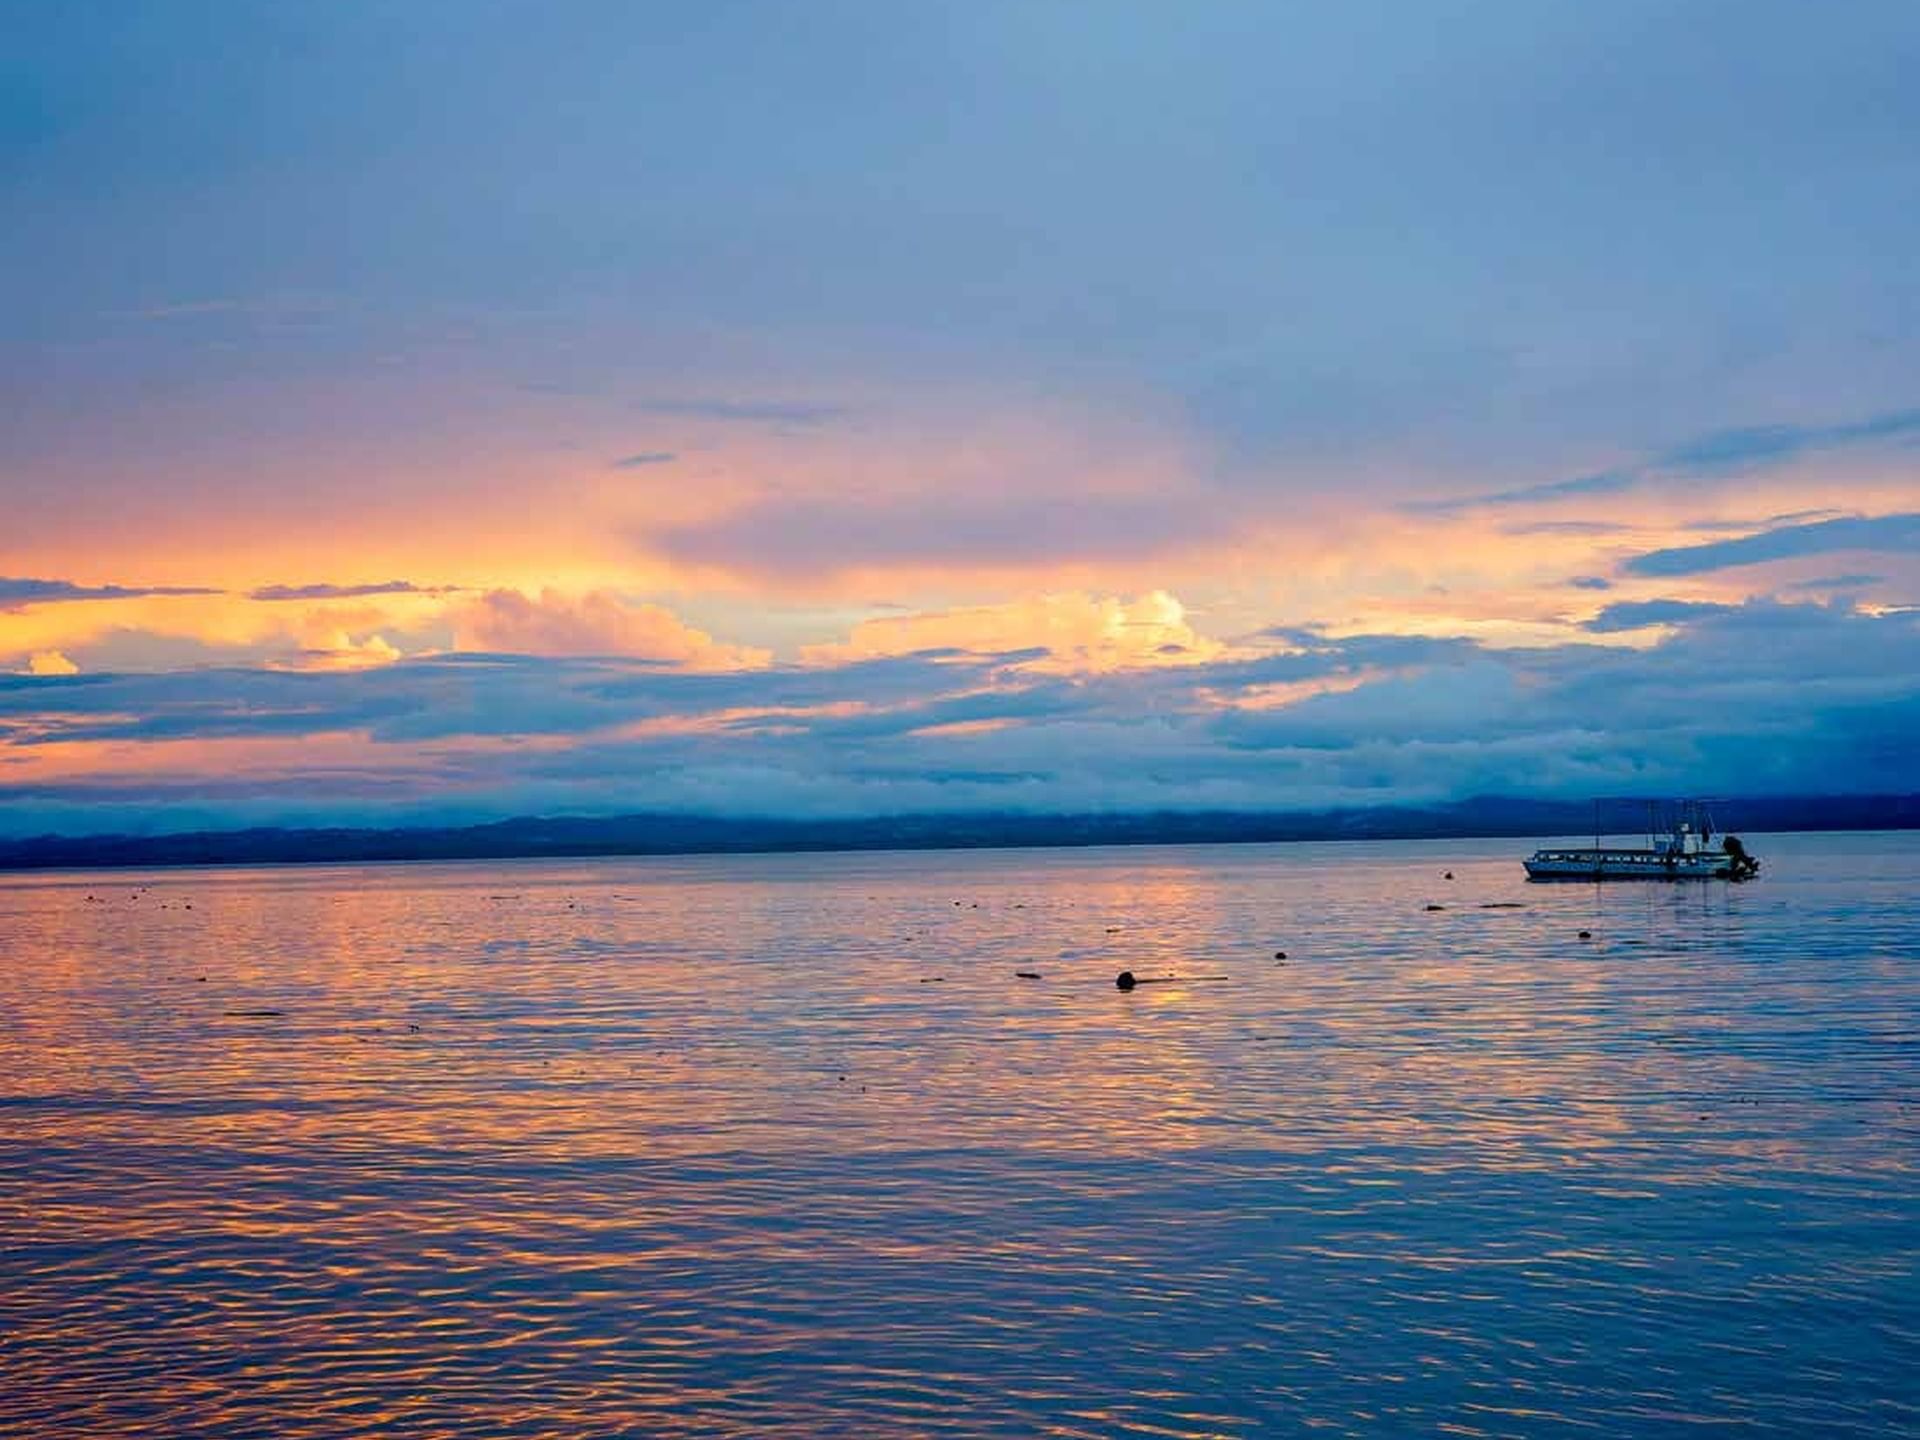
581,838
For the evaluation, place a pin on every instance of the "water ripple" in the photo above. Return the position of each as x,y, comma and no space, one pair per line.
780,1146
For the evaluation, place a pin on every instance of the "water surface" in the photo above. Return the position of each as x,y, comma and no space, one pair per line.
781,1146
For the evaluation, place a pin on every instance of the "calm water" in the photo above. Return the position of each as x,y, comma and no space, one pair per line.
781,1146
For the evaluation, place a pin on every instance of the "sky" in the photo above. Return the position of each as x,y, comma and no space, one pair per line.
429,412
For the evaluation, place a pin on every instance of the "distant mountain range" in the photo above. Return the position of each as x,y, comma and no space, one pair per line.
663,834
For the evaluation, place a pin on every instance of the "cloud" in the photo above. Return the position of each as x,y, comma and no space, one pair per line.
17,593
1721,452
1752,446
1590,582
1838,582
1759,697
1564,527
749,412
338,592
1893,533
1638,614
809,541
598,622
49,662
1607,483
184,308
644,459
1068,631
341,651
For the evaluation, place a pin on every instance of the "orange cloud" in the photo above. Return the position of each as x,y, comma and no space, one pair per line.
598,622
1079,632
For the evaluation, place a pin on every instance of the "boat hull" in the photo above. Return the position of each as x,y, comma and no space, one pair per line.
1627,865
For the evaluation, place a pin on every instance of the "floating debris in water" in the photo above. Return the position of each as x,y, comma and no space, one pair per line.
1126,979
1586,934
1027,975
254,1014
1436,907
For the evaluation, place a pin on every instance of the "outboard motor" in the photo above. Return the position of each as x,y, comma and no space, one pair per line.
1743,866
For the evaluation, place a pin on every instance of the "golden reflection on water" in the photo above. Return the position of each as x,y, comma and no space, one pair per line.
781,1145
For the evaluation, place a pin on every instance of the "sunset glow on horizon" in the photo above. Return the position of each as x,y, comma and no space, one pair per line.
423,414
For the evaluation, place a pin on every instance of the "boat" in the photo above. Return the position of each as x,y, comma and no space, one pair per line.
1685,851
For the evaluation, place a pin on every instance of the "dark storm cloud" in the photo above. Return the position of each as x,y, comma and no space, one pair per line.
1896,534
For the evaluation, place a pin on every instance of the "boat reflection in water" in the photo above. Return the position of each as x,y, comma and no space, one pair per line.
1686,851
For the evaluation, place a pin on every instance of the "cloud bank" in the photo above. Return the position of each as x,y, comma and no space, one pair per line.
1758,697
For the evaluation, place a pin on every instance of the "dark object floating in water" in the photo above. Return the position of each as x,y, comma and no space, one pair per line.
1586,934
1113,929
1503,905
1436,907
1126,980
1447,876
254,1014
932,979
1279,954
1026,975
